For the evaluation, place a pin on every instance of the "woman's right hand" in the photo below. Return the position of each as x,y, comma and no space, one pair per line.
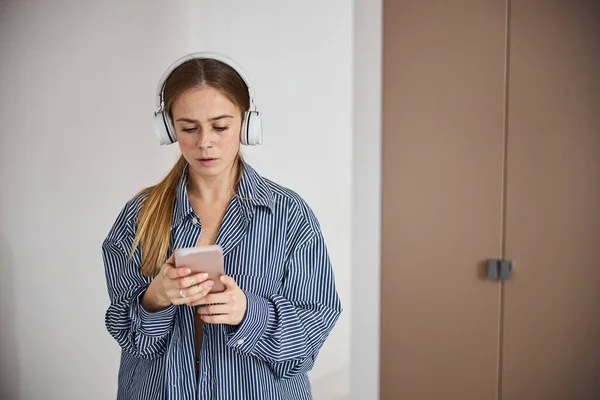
175,286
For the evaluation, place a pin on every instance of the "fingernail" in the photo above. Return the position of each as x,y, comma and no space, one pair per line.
187,271
210,284
204,276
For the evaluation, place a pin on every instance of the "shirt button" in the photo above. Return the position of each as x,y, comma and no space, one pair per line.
195,221
240,342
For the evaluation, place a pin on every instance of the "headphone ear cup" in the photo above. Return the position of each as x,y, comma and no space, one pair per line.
244,131
251,129
163,130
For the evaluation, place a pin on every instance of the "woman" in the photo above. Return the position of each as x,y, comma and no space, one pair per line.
259,338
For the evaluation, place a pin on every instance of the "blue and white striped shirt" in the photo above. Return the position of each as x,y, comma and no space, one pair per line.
276,253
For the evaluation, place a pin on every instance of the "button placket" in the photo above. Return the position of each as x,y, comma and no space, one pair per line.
204,365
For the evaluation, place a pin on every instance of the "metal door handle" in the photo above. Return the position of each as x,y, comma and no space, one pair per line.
505,269
499,269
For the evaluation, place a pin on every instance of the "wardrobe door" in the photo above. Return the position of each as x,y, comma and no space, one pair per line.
551,340
443,105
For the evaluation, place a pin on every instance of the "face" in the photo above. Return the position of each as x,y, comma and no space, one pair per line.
208,127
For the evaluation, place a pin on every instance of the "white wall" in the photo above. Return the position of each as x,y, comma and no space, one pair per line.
77,84
366,200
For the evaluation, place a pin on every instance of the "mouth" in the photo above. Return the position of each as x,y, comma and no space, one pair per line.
207,161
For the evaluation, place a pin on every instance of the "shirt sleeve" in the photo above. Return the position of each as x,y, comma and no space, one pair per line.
288,329
138,331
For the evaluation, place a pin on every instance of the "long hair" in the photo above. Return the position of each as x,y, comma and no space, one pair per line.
154,221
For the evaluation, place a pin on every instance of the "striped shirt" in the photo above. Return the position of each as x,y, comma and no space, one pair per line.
276,253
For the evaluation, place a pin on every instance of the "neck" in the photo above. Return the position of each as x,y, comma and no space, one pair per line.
217,188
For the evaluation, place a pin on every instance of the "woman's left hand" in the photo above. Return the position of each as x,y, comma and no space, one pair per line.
228,307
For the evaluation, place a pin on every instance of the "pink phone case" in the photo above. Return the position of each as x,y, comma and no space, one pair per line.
207,259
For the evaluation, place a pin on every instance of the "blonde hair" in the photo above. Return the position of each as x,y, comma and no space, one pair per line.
153,232
154,220
155,217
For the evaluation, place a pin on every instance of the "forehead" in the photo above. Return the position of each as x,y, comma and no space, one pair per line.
202,103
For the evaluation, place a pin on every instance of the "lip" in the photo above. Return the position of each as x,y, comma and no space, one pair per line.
207,162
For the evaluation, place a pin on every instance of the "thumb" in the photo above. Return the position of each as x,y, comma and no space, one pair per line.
229,282
171,260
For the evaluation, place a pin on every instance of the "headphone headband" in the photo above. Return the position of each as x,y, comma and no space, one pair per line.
204,55
251,131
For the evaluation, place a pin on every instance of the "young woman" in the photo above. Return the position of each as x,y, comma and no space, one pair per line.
258,338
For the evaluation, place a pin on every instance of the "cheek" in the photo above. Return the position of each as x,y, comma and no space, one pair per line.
231,141
186,142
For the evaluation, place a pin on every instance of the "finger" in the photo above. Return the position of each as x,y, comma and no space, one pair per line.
216,319
191,294
182,296
165,270
216,309
229,282
198,299
194,298
176,273
193,301
217,298
192,280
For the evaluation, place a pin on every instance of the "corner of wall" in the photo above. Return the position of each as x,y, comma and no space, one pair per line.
366,199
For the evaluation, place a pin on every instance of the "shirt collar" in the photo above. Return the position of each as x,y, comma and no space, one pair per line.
183,207
252,192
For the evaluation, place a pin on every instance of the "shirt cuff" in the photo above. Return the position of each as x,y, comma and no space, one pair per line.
246,336
157,323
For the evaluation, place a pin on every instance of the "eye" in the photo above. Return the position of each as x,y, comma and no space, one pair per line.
220,128
189,130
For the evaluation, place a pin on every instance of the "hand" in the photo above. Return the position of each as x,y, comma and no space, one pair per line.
171,283
228,307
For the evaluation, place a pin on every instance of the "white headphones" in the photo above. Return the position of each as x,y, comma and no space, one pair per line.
251,133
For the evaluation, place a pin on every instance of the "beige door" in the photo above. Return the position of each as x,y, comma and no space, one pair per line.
443,135
551,348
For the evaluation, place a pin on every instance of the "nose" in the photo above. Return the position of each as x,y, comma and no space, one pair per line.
204,140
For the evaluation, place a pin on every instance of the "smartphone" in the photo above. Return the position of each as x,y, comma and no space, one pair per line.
208,259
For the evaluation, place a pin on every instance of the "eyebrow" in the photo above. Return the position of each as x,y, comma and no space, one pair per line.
193,121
